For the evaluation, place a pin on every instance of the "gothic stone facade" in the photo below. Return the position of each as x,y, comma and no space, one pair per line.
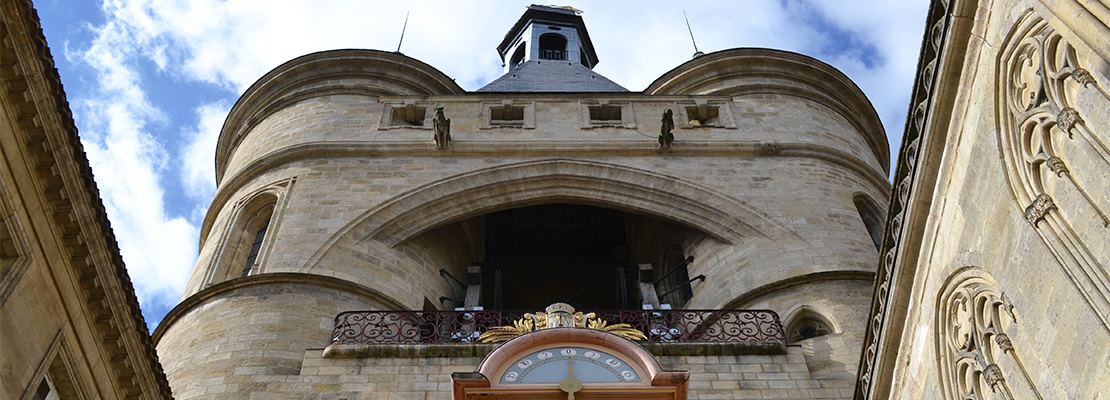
994,280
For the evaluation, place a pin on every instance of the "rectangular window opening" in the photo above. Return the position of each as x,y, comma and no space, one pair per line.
703,115
506,116
605,114
408,116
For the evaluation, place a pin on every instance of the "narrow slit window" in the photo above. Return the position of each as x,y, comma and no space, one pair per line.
872,217
255,247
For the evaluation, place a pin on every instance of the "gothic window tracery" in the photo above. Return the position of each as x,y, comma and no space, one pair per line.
977,356
1053,138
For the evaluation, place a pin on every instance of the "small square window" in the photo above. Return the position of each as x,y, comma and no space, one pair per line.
703,115
605,114
408,116
509,115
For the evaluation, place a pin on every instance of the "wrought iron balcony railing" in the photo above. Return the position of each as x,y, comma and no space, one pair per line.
660,326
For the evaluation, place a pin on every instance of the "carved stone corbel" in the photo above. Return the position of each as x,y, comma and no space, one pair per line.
1036,211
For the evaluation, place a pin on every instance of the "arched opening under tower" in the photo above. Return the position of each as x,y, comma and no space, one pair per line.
553,46
584,255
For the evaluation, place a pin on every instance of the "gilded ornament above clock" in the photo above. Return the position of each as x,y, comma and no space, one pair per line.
558,315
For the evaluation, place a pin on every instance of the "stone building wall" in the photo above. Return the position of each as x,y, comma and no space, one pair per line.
784,376
1002,270
764,196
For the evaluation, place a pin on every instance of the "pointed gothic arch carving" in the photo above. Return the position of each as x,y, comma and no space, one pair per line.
976,354
1055,152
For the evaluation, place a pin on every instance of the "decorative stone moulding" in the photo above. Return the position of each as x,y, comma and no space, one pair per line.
1043,94
977,358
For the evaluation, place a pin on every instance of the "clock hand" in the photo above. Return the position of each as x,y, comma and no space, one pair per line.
570,385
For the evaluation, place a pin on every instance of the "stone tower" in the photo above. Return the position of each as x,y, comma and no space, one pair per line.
367,180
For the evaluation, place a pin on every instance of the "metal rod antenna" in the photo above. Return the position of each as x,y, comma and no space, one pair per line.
407,25
696,51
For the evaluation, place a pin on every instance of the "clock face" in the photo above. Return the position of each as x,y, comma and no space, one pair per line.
551,366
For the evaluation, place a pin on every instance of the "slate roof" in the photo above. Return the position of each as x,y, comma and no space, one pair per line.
552,76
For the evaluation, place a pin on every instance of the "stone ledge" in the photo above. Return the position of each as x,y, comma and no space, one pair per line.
482,349
408,350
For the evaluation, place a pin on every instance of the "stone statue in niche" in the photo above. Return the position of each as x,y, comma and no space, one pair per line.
442,127
665,135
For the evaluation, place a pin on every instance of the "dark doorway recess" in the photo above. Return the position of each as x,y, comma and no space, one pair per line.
556,253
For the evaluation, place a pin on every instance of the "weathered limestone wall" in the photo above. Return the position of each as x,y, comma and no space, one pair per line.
711,377
330,195
764,194
990,252
231,341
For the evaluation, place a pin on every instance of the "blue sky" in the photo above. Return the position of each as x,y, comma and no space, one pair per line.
151,81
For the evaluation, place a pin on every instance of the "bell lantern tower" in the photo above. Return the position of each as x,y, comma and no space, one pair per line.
547,33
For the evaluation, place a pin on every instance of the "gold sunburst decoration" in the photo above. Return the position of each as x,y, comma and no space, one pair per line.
558,315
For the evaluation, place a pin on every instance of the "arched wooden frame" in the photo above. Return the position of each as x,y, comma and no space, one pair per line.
655,382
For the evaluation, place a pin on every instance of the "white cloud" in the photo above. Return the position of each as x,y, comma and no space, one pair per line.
198,171
127,162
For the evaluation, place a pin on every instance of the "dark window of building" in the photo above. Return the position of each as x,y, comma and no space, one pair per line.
554,253
246,245
508,115
872,217
703,115
808,325
553,46
675,288
8,253
605,114
518,55
408,116
257,245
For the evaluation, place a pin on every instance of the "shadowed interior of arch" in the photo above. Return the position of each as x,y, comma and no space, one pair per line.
583,255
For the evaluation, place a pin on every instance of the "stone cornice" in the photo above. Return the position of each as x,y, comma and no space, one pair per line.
64,178
276,278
